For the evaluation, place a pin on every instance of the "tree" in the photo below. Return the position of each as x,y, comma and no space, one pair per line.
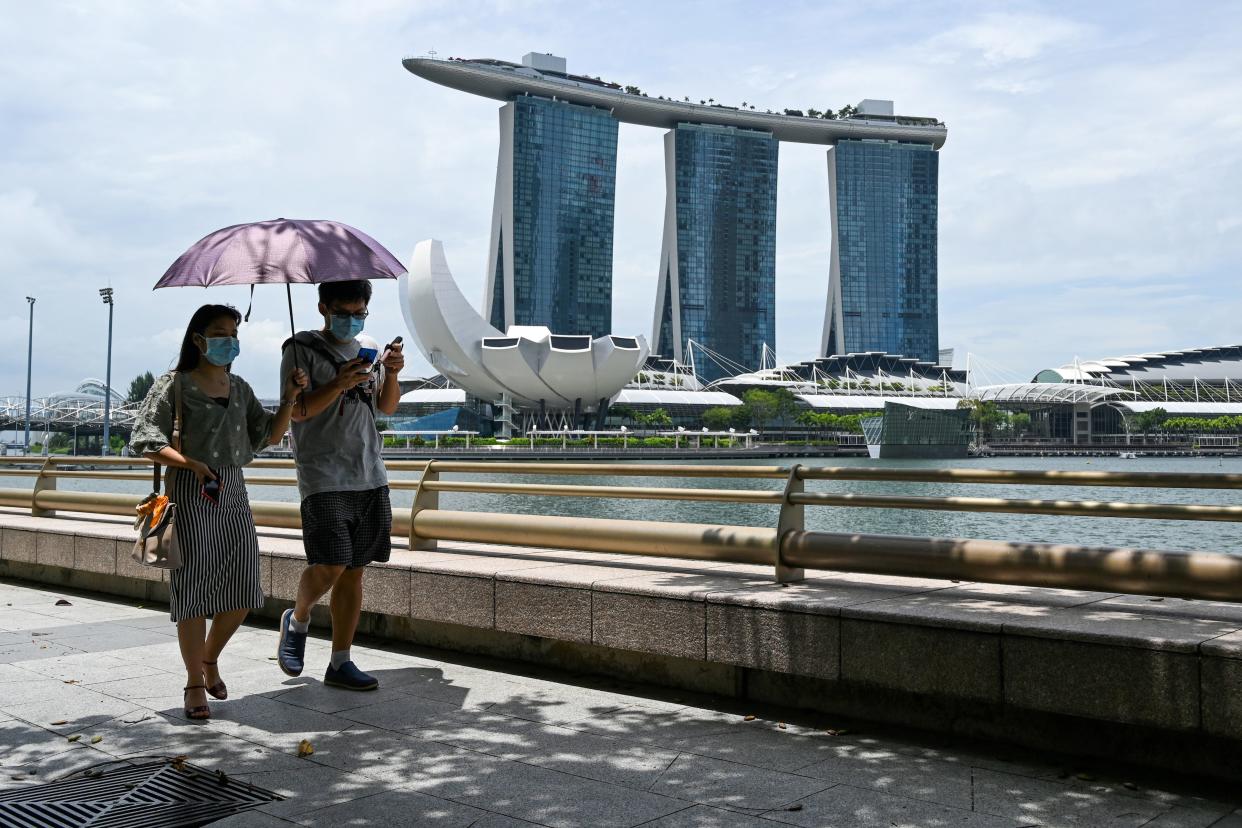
1151,420
796,112
633,90
655,419
719,418
984,415
828,115
761,406
786,405
811,112
1020,423
139,386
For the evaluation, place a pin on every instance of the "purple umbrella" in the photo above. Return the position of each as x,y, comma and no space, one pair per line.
282,251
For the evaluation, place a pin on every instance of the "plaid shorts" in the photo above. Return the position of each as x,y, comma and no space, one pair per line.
350,529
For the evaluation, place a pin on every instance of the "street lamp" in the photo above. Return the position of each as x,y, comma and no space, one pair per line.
29,357
106,295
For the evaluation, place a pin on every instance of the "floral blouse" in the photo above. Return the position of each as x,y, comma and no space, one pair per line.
216,434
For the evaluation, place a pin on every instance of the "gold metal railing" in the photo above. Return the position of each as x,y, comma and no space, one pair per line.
789,547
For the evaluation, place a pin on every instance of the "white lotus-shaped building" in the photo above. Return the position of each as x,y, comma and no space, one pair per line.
532,366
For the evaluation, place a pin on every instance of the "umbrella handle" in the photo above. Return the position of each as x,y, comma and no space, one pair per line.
293,338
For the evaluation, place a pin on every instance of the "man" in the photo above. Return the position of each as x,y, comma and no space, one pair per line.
346,514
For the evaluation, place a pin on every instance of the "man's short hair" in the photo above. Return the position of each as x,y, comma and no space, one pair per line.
358,290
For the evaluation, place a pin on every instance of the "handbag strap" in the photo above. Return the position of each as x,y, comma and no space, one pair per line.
178,424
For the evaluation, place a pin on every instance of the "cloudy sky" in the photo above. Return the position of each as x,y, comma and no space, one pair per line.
1090,187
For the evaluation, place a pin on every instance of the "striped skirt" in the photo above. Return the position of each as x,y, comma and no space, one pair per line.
219,548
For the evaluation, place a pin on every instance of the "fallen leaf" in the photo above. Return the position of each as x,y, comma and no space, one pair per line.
781,725
305,748
178,762
794,808
96,740
63,603
17,777
1155,599
60,722
75,737
36,633
136,721
222,778
1085,777
749,718
271,658
1129,786
70,681
832,732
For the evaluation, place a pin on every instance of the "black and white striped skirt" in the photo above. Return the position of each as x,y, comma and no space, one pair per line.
219,548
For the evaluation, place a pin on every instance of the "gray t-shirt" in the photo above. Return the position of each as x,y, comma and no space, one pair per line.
337,450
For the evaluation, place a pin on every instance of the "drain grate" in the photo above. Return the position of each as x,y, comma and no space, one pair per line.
160,794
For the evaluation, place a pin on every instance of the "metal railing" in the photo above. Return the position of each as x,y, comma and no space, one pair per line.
788,547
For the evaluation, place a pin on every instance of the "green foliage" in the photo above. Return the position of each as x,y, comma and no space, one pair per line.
1151,420
654,419
139,386
1020,423
621,412
761,406
984,415
827,421
59,440
1224,424
719,418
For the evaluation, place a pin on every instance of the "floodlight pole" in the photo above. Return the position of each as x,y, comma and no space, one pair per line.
106,294
29,362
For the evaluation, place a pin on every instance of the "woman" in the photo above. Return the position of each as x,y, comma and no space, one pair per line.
222,427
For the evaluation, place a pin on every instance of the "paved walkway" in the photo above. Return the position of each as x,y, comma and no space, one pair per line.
453,741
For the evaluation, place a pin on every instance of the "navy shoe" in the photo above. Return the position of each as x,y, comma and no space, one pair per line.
349,677
291,651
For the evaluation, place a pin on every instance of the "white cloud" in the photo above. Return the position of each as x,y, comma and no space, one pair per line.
1001,37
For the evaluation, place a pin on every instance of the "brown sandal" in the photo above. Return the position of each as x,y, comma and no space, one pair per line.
200,712
217,690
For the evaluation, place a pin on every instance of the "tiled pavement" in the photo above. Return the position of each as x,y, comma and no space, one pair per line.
453,741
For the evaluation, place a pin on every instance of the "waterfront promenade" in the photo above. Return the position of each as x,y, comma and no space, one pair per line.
451,740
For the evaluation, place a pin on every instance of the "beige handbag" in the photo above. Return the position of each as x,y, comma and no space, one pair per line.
157,514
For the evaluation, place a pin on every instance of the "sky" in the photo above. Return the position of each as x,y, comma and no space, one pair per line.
1089,189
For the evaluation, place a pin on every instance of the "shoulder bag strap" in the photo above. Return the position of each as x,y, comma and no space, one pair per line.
178,418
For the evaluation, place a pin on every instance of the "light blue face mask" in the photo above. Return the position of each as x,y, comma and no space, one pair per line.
345,327
221,350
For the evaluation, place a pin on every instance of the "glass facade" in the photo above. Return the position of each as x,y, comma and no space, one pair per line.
564,183
886,196
725,197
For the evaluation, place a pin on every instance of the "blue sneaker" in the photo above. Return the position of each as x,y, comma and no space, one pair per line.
349,677
291,651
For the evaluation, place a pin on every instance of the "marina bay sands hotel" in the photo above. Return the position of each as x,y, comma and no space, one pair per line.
551,248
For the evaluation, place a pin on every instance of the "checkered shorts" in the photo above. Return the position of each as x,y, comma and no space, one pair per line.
350,529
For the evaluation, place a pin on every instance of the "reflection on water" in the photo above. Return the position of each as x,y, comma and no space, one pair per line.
1158,534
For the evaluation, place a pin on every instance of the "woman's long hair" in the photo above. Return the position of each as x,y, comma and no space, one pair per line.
199,322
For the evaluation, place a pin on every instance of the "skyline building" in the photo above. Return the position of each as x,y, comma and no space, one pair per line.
551,243
717,284
882,282
550,252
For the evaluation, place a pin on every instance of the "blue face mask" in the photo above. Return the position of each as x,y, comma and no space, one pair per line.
221,350
345,327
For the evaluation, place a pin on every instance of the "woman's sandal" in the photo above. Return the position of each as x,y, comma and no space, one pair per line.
217,690
200,712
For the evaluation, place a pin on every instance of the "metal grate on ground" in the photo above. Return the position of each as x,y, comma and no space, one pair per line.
167,793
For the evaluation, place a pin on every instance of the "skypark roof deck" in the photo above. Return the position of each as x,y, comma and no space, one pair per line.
503,81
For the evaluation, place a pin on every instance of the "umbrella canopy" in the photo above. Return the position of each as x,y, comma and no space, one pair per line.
282,251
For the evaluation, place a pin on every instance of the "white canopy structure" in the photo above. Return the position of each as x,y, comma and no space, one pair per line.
533,366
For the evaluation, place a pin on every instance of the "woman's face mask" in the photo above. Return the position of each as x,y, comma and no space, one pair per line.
345,326
221,350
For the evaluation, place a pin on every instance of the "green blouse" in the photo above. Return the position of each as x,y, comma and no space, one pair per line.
215,434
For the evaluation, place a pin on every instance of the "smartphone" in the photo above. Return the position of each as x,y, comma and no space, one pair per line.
388,348
367,354
211,490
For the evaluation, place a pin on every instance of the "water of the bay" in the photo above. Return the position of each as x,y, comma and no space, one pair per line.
1152,534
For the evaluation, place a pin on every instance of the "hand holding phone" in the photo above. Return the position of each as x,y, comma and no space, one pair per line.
367,354
211,489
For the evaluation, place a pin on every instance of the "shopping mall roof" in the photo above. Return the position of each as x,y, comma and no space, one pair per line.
1048,393
875,402
657,396
1202,364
